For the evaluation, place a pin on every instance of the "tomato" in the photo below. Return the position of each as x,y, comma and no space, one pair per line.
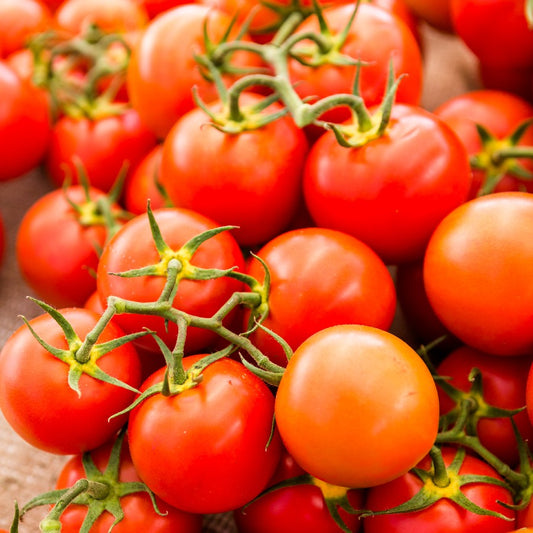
141,183
74,16
38,402
103,146
375,36
214,450
24,124
437,13
376,414
504,385
61,270
320,278
138,508
500,113
217,174
444,515
510,40
162,70
295,508
19,21
133,247
156,7
515,80
393,207
477,276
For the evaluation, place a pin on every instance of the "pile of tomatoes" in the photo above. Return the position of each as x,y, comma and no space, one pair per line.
244,196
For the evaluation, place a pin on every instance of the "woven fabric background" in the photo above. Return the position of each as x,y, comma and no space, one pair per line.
450,69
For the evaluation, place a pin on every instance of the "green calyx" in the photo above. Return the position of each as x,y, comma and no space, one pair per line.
99,491
500,157
80,361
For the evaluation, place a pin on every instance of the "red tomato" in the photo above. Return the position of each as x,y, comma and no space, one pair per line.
133,247
393,190
61,270
162,70
510,40
515,80
103,145
477,273
500,113
504,385
19,21
437,13
296,508
218,175
214,450
118,16
37,400
24,124
320,278
376,414
141,183
375,36
444,516
138,508
156,7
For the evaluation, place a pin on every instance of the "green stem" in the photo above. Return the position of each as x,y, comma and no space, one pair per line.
512,152
440,476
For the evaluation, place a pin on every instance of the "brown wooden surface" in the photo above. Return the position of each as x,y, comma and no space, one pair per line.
450,70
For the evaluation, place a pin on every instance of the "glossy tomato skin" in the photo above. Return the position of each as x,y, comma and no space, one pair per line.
37,400
296,509
24,124
320,278
103,146
504,385
19,21
443,516
392,207
375,36
483,251
60,270
133,247
139,512
217,174
508,43
376,415
162,70
500,112
211,454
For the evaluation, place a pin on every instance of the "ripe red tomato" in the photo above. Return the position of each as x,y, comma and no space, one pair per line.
376,414
218,175
500,113
320,278
477,273
444,516
437,13
118,16
19,21
375,36
141,183
103,146
213,451
133,247
38,402
162,70
61,270
510,40
24,124
138,508
295,508
392,207
504,385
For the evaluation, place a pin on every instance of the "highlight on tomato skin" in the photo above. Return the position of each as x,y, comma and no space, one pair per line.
377,412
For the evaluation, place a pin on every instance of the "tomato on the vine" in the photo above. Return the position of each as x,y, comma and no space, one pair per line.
376,414
39,403
216,448
477,273
320,278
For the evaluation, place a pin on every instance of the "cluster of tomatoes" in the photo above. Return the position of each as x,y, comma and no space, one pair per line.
236,184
